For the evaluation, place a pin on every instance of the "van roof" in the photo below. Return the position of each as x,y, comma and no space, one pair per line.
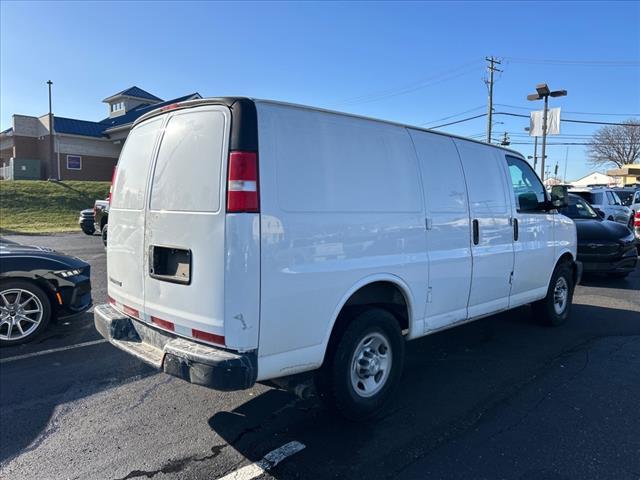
232,101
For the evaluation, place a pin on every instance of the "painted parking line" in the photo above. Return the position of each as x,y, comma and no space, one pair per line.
53,350
269,461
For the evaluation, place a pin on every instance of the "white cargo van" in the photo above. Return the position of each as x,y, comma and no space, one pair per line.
253,240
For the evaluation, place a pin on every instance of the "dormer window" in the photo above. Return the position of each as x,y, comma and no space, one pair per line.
115,107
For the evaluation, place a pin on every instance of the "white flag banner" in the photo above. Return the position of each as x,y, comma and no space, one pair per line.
553,122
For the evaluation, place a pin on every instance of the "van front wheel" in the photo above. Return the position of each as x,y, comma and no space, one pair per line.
365,367
555,308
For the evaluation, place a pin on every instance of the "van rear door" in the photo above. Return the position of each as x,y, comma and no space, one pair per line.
125,248
184,241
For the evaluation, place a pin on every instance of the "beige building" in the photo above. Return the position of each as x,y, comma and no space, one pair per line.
82,149
627,175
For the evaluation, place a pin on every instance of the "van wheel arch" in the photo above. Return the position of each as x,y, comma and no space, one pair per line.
568,258
390,296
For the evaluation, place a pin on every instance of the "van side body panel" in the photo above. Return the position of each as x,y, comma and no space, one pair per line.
340,202
242,281
448,232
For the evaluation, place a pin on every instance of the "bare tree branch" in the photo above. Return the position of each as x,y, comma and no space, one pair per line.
617,145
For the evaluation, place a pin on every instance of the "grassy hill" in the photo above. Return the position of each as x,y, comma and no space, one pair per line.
43,207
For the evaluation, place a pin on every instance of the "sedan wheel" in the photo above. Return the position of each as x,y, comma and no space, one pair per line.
24,312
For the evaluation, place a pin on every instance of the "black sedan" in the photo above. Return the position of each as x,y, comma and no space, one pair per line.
603,246
37,285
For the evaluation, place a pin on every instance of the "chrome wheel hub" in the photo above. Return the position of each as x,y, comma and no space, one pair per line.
371,364
20,313
560,295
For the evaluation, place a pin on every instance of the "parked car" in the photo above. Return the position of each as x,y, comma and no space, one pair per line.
95,219
356,236
603,246
606,200
37,285
630,197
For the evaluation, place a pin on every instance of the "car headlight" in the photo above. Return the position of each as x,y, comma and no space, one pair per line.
68,273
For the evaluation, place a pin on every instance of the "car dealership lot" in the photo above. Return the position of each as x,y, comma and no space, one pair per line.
499,398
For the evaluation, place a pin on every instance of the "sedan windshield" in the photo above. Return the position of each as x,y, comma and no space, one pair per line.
578,208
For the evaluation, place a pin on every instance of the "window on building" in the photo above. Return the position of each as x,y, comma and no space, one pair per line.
117,106
74,162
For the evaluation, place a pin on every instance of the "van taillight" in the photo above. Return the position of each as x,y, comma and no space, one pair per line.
242,185
113,179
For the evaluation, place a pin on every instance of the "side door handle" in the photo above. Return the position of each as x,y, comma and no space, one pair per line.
515,230
476,232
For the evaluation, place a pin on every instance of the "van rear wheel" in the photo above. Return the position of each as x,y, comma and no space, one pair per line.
555,308
364,368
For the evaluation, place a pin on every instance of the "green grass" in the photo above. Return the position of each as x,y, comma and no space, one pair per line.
46,207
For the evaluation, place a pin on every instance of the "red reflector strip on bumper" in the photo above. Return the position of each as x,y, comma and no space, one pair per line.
163,324
207,337
130,311
111,300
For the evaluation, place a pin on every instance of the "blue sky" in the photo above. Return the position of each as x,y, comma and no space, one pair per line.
408,62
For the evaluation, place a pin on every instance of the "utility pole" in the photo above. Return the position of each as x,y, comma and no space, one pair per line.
51,152
491,68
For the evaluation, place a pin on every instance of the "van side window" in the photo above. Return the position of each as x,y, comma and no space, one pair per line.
527,187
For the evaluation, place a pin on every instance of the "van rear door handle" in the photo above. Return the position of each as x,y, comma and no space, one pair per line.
476,232
515,230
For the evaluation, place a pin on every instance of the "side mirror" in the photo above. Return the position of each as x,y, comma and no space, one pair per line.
528,202
559,196
599,212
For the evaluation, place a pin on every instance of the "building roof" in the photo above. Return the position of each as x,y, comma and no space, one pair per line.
73,126
136,112
134,92
7,131
78,127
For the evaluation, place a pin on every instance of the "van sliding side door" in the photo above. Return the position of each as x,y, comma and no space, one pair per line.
491,230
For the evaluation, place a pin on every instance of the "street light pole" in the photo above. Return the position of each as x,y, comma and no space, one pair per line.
543,92
544,134
51,151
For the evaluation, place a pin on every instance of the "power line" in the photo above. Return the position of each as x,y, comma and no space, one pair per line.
458,121
602,63
450,74
591,122
456,115
573,112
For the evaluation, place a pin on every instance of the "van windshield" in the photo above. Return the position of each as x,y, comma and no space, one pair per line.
133,166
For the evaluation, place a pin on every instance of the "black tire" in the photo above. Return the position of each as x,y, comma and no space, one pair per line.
88,230
618,274
35,290
545,310
334,380
103,234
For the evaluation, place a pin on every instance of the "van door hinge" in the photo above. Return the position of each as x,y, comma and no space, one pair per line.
511,278
428,223
429,295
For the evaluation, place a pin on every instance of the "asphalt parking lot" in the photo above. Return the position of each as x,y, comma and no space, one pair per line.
498,398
